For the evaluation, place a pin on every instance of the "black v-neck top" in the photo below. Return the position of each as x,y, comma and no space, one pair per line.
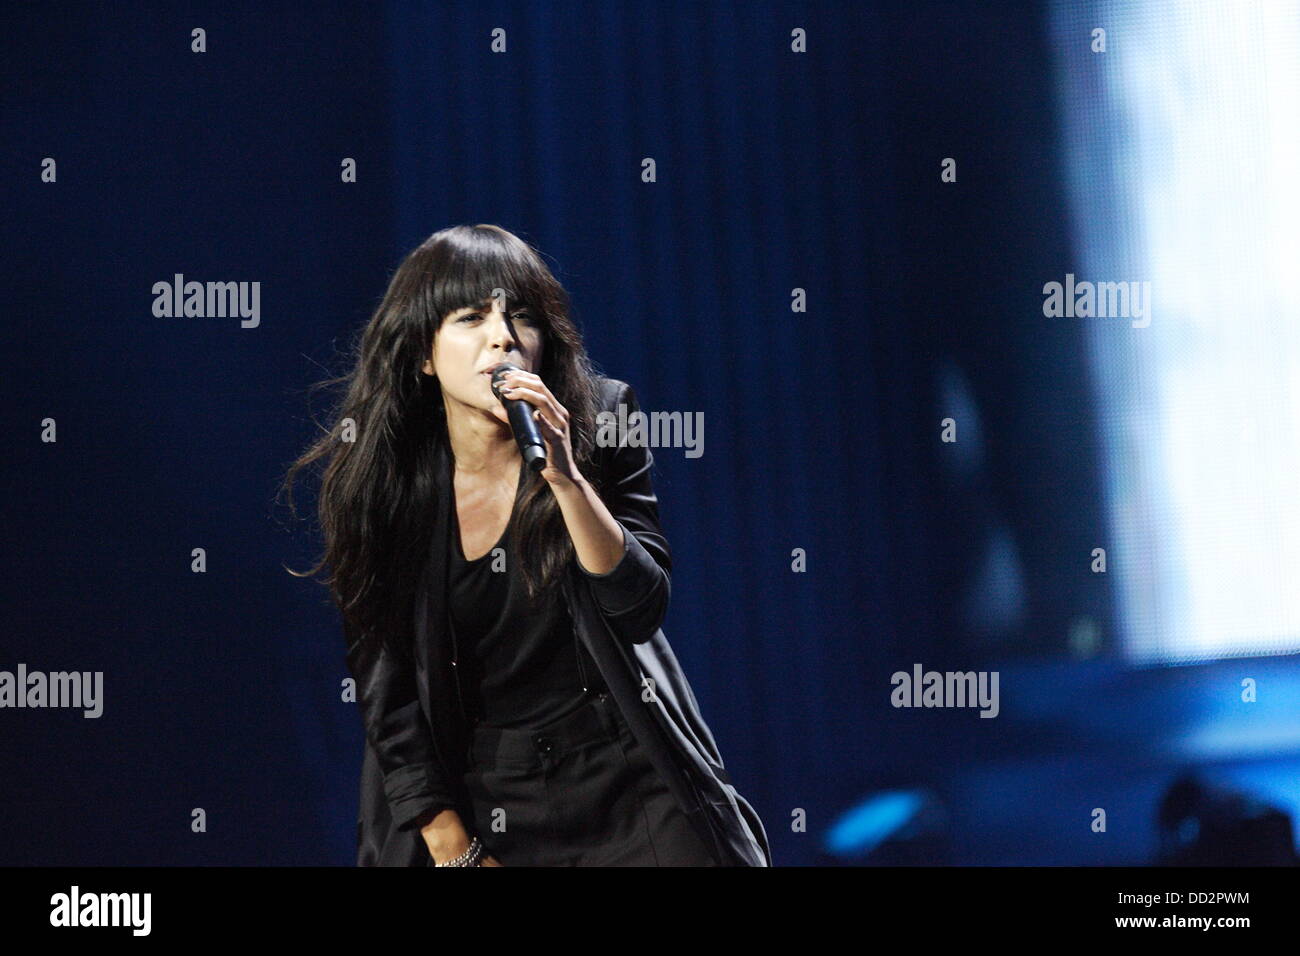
519,659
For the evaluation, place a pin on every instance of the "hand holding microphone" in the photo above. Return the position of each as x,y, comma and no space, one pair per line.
519,413
539,422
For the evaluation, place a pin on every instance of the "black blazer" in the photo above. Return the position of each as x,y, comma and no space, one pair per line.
415,735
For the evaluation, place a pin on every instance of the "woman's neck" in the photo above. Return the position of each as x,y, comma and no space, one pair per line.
481,444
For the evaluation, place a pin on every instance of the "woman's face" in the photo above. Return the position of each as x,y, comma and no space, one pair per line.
472,340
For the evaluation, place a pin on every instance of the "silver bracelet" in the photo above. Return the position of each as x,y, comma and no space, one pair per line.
469,858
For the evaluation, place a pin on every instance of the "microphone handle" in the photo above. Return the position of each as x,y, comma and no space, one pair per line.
527,434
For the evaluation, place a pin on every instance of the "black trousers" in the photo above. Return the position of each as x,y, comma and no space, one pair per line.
579,792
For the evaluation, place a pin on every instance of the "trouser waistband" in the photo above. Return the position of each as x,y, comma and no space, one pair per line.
597,719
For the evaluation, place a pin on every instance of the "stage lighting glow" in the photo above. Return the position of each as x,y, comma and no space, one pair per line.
873,821
1181,139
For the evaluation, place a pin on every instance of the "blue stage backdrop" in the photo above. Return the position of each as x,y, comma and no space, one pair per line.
853,211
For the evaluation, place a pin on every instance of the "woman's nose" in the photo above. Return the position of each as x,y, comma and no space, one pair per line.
501,333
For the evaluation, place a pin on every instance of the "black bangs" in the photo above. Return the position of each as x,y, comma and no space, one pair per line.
477,260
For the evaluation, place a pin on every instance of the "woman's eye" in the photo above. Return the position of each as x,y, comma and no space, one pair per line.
526,316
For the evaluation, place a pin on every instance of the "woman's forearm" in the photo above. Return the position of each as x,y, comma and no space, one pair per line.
597,536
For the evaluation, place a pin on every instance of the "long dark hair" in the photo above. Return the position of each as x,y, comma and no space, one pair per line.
379,493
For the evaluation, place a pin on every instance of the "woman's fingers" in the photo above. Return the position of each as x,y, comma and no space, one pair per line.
531,388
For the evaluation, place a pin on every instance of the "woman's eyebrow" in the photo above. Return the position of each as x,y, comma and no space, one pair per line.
486,306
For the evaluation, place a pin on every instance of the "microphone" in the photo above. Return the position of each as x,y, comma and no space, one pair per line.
522,423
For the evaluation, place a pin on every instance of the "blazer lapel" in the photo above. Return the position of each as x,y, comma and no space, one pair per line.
432,642
429,623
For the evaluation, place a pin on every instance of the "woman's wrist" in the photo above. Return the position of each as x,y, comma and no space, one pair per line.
445,835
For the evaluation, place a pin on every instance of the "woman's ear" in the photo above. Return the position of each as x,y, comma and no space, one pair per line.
427,367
